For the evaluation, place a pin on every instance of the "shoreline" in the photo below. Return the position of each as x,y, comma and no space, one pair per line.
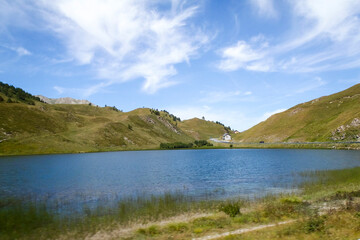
222,145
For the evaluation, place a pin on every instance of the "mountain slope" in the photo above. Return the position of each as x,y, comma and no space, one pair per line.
29,126
201,129
330,118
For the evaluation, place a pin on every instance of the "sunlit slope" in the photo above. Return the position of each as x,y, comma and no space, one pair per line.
44,128
201,129
331,118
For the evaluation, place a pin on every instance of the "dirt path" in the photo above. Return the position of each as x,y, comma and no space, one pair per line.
242,230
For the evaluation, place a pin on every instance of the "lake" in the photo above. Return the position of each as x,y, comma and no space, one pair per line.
218,173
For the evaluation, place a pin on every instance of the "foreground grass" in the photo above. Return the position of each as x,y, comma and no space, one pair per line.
328,207
27,219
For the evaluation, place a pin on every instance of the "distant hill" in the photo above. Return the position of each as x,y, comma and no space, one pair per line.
330,118
29,126
65,100
201,129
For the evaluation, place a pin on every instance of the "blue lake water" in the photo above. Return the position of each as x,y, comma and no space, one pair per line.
199,173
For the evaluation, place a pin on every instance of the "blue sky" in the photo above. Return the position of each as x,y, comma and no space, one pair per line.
236,62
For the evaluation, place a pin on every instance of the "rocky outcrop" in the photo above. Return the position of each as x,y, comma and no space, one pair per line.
347,132
66,100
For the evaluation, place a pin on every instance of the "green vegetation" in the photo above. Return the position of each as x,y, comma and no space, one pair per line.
17,93
176,145
231,208
29,126
331,118
201,129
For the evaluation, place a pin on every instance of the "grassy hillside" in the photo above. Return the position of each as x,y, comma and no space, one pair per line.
202,129
331,118
29,126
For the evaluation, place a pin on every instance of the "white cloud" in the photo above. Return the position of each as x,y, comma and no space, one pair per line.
122,40
129,39
264,8
19,50
22,51
324,36
242,55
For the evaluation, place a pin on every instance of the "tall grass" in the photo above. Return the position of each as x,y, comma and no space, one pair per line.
324,184
24,218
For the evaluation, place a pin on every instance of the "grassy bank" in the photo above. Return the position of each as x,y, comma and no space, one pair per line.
335,145
327,207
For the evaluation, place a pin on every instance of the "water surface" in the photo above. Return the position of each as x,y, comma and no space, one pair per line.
199,173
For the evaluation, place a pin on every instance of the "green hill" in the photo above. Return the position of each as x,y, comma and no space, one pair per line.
201,129
330,118
29,126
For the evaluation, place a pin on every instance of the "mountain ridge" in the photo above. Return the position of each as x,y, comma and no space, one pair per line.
329,118
30,126
64,100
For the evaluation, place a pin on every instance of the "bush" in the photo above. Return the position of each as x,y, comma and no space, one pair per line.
177,227
291,200
202,143
231,208
1,99
175,145
314,224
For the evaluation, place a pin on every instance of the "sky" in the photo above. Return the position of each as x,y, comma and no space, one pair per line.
233,61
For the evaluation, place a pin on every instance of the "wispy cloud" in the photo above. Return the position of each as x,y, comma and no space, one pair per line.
126,40
20,51
121,40
325,36
265,8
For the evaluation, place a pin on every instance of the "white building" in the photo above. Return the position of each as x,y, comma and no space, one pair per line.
226,137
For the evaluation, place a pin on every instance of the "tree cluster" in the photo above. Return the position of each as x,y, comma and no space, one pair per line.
227,129
17,94
200,143
155,111
175,145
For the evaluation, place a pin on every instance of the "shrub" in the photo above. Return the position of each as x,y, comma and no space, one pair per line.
177,227
231,208
1,99
291,200
314,224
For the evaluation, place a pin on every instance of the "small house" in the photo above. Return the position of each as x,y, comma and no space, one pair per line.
226,137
